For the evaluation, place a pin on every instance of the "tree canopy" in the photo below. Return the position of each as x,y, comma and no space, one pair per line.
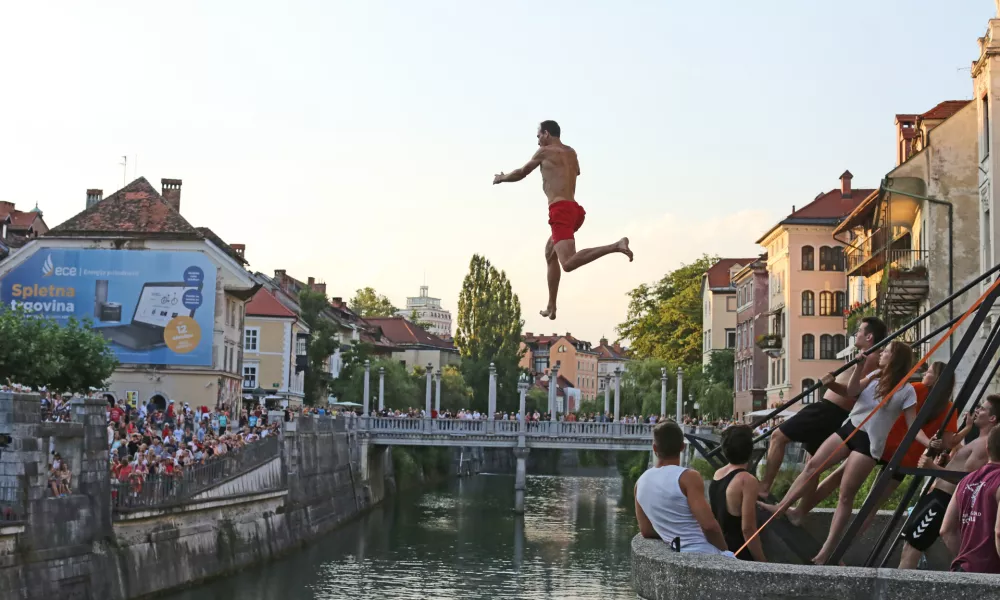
664,320
38,352
323,341
369,303
489,331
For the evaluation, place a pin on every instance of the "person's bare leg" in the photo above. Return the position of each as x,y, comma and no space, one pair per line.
910,557
813,496
572,259
775,456
553,273
831,452
856,470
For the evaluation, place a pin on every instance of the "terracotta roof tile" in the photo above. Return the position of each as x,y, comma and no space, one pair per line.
264,304
215,239
399,330
718,274
609,352
135,209
945,109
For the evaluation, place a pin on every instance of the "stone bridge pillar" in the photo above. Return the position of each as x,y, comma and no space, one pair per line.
367,390
520,475
618,400
437,394
427,395
607,395
554,392
663,394
381,389
492,403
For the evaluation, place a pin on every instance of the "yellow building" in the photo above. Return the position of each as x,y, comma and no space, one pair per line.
274,349
577,360
808,293
718,297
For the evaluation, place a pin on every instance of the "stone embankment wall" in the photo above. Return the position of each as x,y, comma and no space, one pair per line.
77,548
659,573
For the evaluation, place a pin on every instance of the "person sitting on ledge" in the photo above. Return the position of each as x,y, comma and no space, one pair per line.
670,500
971,527
733,494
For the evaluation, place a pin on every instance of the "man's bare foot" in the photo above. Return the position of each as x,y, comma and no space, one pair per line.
623,248
795,517
763,494
820,559
771,508
549,312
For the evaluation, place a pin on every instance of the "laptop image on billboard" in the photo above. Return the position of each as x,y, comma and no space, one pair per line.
158,304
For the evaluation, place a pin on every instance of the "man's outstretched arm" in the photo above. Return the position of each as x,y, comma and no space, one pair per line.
519,174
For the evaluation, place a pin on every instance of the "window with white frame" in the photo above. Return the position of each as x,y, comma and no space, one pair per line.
300,346
249,377
251,339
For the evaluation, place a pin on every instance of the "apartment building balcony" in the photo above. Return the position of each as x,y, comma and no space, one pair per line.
770,343
868,255
905,286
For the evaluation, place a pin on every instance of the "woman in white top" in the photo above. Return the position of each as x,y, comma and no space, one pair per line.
866,445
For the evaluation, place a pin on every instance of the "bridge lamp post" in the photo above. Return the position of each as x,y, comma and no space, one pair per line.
367,389
437,397
427,395
607,396
381,389
492,396
618,396
522,390
680,395
663,394
553,392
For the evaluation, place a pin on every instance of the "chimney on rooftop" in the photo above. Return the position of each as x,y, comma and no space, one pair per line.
171,192
239,249
94,196
527,334
845,184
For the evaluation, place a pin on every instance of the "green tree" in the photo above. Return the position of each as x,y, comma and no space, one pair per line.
489,331
719,369
456,394
38,352
664,320
415,319
536,400
369,303
401,392
323,341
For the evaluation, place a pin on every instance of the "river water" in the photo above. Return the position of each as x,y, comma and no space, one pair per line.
461,540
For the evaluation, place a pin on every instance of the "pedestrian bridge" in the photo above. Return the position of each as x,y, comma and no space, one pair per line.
402,431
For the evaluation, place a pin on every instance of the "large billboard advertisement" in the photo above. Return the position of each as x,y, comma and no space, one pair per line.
154,307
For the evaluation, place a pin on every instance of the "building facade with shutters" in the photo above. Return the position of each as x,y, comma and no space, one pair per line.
807,293
749,362
719,306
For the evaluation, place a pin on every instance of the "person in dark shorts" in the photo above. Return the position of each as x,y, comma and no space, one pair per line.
814,423
923,527
733,494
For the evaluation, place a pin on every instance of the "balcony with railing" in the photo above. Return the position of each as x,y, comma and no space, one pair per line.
905,285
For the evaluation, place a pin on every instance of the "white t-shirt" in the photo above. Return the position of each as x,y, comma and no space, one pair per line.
659,493
878,426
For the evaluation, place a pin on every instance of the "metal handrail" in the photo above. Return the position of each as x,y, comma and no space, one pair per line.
885,342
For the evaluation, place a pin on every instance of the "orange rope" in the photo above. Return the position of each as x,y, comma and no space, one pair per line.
899,385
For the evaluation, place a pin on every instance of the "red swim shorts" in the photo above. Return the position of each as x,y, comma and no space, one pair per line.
565,218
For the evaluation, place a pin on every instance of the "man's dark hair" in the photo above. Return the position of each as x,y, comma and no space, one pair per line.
669,439
737,444
993,400
993,444
551,127
876,328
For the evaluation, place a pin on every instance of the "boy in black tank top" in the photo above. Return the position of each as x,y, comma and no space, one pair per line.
733,494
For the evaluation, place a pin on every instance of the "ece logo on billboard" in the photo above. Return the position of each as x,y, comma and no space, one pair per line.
49,269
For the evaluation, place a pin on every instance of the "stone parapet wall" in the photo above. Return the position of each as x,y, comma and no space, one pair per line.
659,573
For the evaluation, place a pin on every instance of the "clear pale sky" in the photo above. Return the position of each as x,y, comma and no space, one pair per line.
356,142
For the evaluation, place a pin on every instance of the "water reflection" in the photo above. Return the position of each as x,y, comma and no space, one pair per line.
461,540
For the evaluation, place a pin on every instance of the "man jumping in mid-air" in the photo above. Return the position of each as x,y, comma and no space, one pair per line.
560,169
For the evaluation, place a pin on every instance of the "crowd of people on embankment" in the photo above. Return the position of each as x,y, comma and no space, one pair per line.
859,424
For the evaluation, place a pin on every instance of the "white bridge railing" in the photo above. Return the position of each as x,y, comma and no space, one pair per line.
562,429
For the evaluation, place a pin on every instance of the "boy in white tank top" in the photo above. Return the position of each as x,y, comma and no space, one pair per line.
670,500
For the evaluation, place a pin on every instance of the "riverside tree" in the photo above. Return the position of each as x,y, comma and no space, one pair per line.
38,352
323,341
664,319
369,303
489,331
